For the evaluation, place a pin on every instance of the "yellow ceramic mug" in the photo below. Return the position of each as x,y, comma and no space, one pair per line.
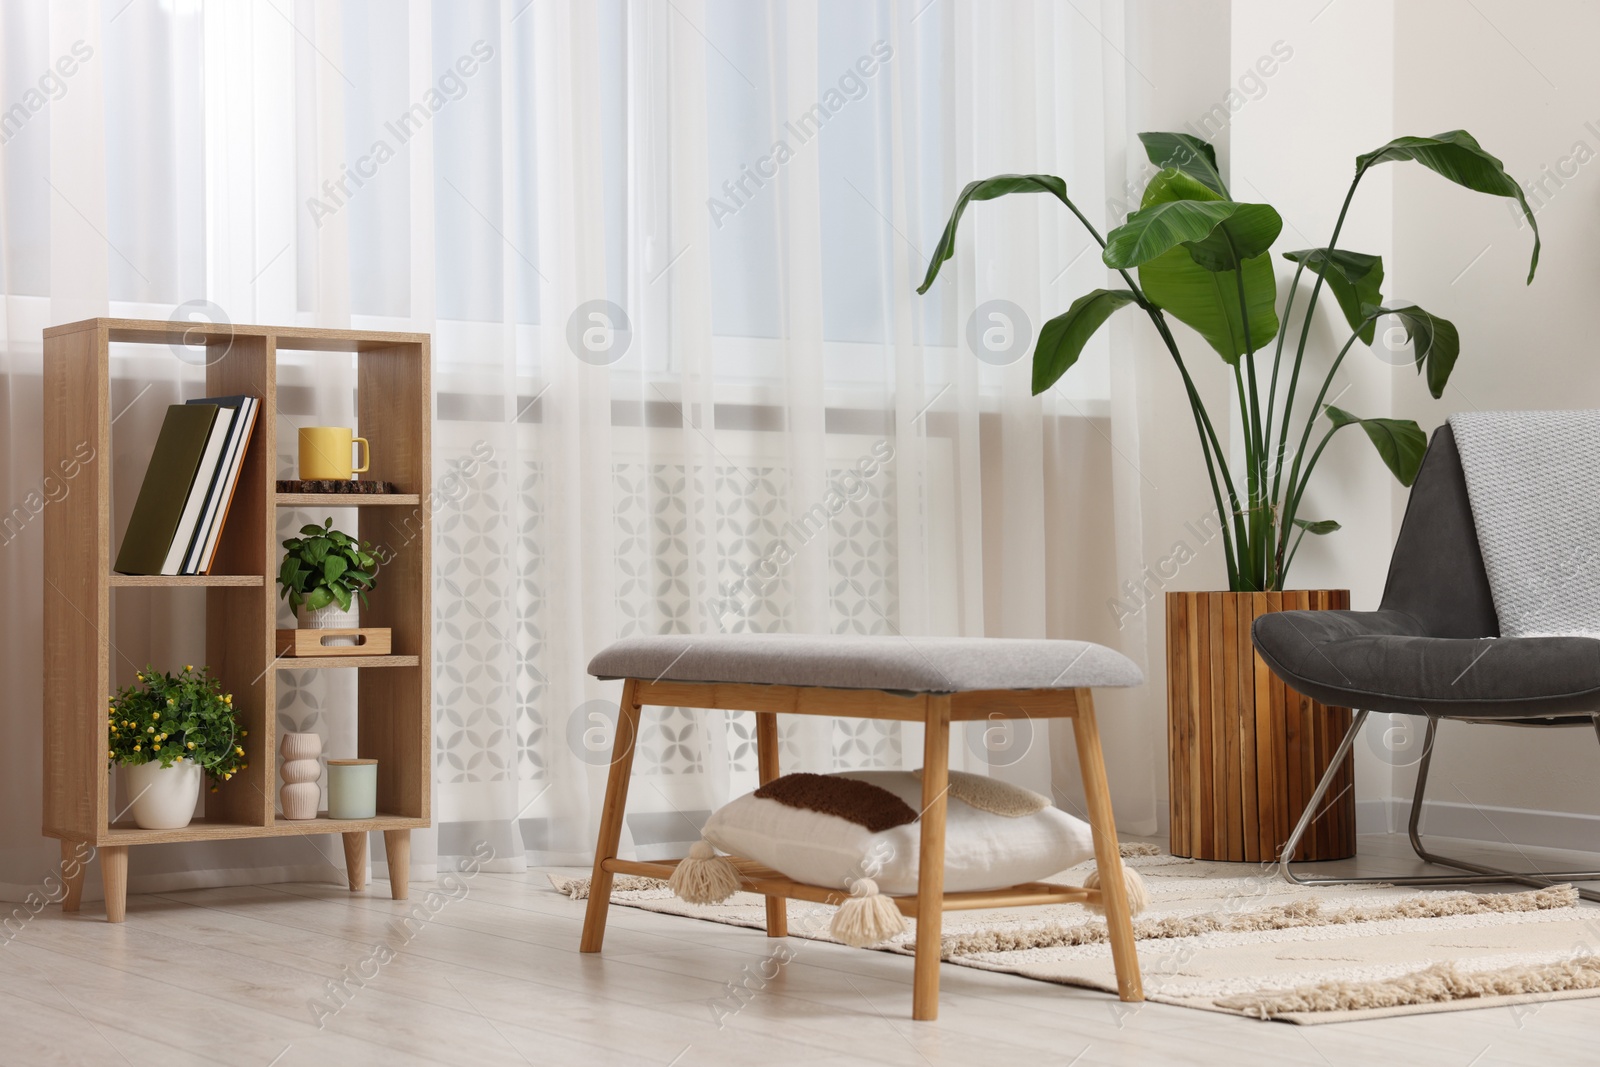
325,453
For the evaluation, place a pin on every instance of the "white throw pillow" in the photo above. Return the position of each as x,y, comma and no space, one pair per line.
983,849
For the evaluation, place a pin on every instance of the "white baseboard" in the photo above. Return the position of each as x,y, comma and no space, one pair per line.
1477,822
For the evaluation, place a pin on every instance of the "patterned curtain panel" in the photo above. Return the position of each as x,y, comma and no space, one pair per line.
667,253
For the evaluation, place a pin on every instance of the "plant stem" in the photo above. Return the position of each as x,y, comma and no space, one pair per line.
1208,445
1247,565
1277,361
1311,465
1202,418
1297,484
1294,550
1260,541
1305,333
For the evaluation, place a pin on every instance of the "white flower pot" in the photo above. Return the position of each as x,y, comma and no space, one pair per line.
331,617
163,798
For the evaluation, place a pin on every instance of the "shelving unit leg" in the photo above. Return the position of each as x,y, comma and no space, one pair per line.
72,873
355,859
397,846
114,873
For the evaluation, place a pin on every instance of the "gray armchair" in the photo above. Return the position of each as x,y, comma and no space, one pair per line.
1423,653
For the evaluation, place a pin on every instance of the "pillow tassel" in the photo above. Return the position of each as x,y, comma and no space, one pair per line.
704,877
868,917
1138,895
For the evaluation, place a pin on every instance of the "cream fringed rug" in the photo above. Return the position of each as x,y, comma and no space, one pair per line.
1230,938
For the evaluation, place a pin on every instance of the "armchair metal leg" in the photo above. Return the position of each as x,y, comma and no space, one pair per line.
1480,874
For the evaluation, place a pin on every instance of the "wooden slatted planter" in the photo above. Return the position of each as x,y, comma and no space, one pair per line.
1245,751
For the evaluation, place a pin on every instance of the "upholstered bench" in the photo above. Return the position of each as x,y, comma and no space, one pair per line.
929,680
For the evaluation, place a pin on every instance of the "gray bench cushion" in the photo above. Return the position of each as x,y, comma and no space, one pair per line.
902,664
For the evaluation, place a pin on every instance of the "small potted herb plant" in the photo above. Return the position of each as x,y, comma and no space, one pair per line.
164,730
323,572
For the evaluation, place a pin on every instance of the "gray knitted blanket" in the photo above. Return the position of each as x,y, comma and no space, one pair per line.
1534,481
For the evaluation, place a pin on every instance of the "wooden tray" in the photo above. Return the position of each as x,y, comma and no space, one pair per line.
374,641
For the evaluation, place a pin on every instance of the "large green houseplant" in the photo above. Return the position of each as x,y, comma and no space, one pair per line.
1241,745
1205,259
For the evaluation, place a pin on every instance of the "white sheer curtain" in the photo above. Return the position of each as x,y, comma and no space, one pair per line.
667,253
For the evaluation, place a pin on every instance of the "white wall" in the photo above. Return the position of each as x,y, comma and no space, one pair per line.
1293,145
1179,69
1363,71
1529,90
1292,129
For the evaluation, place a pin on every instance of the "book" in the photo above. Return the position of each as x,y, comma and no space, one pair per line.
167,480
194,503
203,549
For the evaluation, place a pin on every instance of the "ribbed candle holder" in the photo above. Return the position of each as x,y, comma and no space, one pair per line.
301,770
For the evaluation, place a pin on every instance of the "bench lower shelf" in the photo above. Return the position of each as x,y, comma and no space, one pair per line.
770,883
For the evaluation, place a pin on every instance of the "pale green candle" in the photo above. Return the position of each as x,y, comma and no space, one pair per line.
352,788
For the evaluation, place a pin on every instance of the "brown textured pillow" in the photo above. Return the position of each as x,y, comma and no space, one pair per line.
860,802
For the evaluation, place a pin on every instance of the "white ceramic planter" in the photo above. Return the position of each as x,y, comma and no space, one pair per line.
331,617
163,798
300,793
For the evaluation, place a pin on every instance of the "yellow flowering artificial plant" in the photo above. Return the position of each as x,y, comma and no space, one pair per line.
168,717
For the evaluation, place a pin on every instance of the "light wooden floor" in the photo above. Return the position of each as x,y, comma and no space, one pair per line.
231,976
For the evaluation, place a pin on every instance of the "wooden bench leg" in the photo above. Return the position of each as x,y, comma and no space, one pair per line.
767,767
616,802
930,865
1107,853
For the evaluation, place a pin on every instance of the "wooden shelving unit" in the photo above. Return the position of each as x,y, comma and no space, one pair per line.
394,692
184,581
347,500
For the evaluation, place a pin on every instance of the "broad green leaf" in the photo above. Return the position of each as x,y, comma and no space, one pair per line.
1436,342
1458,156
1170,185
342,595
1217,233
1062,339
1250,232
1317,526
332,568
315,551
1355,278
1208,302
1400,442
988,189
320,597
1187,153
